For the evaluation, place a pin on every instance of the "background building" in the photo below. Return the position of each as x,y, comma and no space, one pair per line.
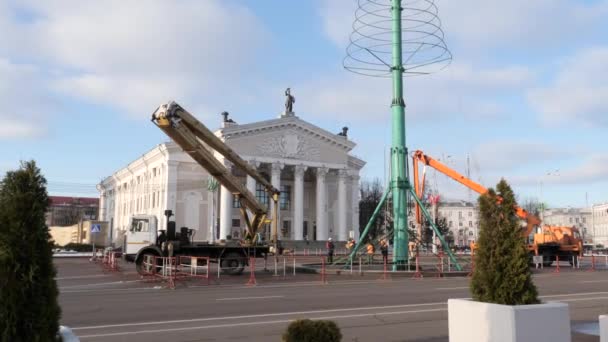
599,224
67,211
462,219
318,178
568,217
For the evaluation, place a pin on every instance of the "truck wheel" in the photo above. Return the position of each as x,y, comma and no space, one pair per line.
233,264
547,260
143,267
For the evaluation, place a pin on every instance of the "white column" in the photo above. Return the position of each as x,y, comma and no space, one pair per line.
171,179
342,232
101,215
298,203
355,206
251,184
225,209
322,229
275,180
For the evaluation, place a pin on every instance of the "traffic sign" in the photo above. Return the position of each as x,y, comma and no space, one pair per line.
96,228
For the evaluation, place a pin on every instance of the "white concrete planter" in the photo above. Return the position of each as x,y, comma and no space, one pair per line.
604,328
471,321
67,335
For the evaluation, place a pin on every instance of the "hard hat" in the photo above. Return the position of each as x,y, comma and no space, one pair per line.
329,239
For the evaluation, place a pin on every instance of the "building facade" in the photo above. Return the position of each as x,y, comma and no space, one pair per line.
569,217
66,211
599,224
463,220
313,168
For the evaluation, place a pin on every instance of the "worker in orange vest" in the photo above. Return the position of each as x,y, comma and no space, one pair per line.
370,253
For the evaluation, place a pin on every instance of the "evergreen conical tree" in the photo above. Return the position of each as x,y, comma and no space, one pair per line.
28,291
502,273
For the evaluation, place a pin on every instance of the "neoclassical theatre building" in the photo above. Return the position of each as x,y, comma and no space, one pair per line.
313,168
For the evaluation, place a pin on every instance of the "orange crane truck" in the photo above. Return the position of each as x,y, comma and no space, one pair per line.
551,242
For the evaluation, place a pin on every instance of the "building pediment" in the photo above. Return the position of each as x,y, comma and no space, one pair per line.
287,138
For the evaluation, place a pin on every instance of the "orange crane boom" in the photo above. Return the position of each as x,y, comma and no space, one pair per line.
420,157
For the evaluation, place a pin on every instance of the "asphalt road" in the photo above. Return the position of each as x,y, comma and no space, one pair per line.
119,307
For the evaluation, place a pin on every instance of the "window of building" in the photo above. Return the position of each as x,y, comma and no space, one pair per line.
235,201
460,223
450,224
470,213
571,220
577,220
261,194
470,223
460,232
470,233
460,214
236,223
285,199
286,229
583,219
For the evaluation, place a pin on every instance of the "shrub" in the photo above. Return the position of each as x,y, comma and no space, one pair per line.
306,330
28,295
79,247
502,273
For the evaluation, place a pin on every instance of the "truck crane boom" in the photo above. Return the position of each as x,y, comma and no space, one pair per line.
197,140
420,157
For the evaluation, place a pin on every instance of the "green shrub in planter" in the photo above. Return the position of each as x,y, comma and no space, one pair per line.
502,273
306,330
28,291
79,247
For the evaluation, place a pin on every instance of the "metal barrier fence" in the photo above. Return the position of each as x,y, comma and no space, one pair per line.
252,271
173,269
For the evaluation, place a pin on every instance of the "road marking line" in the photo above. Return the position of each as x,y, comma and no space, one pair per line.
258,323
111,290
451,288
594,281
260,315
83,277
245,298
581,299
575,294
99,284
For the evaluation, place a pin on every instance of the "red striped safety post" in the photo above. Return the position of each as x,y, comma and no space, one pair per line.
417,274
323,271
251,281
557,264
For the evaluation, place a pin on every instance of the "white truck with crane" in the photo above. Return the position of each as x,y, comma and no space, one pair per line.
144,238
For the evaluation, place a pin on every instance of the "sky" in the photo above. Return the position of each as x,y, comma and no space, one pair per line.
525,97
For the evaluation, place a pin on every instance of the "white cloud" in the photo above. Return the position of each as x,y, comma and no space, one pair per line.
506,156
26,102
461,89
534,24
481,24
579,91
133,56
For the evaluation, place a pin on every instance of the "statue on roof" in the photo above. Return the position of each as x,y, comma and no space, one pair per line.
289,101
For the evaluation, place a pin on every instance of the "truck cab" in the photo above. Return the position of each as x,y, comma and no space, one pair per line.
142,232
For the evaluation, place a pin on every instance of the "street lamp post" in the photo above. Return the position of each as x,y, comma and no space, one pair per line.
542,204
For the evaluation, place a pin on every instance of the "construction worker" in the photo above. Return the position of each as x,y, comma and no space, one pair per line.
350,244
370,253
384,251
330,251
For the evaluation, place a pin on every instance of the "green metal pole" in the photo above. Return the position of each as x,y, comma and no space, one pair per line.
399,183
436,230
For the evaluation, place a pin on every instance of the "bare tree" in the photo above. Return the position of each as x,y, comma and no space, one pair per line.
371,194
